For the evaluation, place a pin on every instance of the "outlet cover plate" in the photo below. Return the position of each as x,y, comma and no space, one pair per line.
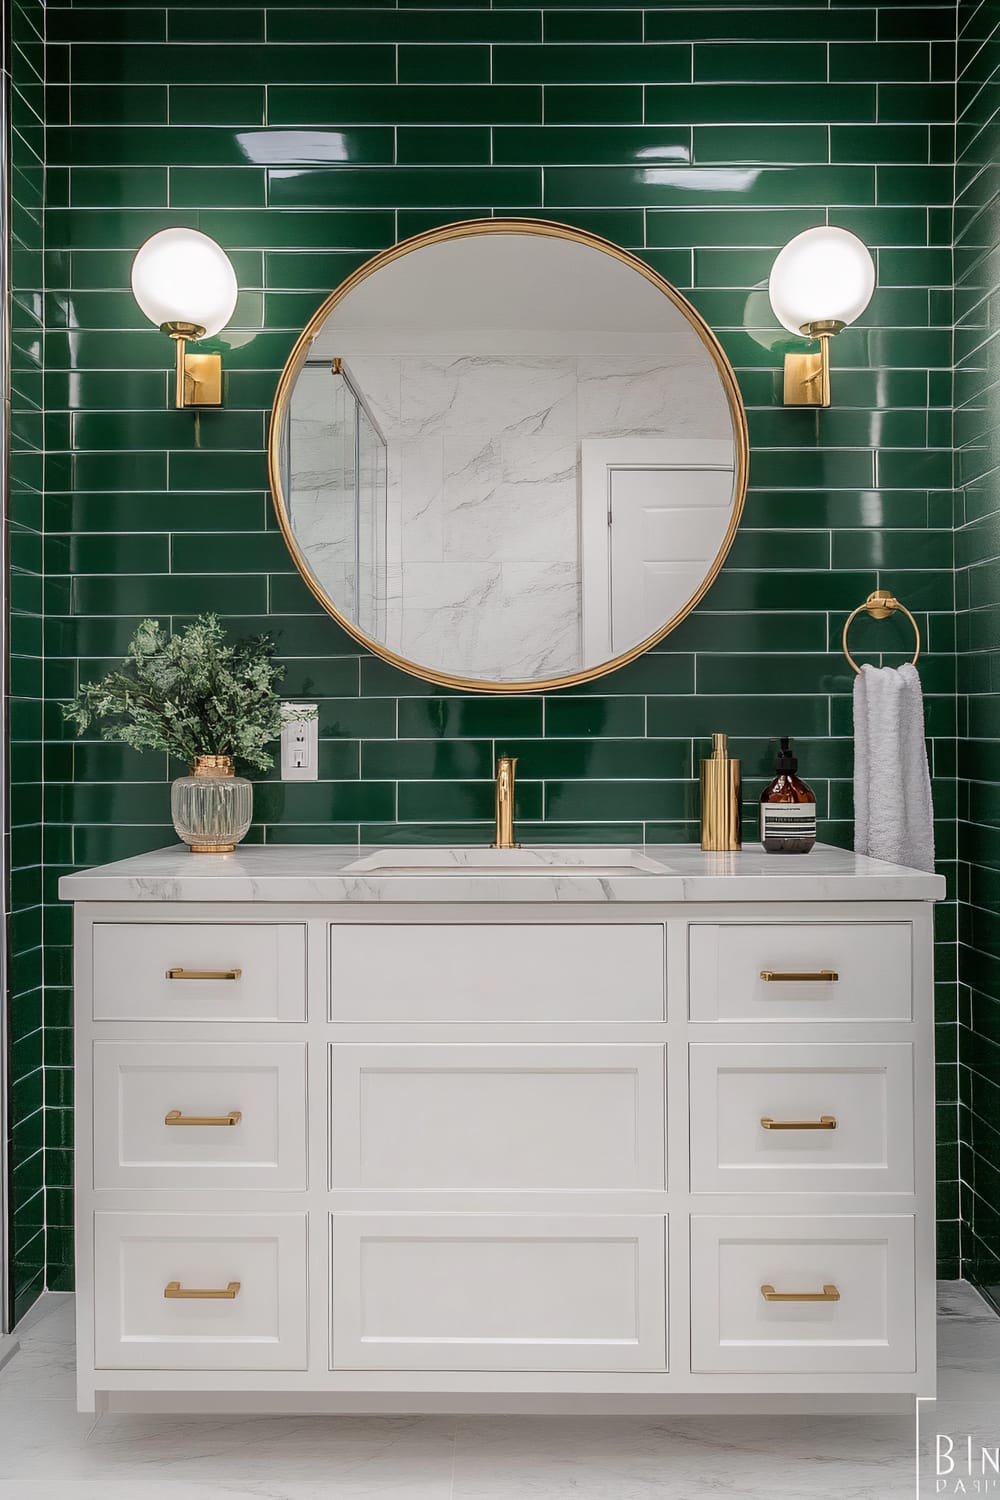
300,746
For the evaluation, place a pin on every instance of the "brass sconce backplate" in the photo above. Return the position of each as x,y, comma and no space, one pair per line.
203,380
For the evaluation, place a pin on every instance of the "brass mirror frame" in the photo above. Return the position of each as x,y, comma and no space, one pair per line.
462,230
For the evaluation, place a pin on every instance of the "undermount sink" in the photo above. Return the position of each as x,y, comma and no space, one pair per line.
485,861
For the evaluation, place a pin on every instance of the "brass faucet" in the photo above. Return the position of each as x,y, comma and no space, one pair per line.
505,804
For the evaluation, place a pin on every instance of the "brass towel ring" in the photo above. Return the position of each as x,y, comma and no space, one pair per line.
880,605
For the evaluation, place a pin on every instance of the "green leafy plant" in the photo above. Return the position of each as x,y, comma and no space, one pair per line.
194,693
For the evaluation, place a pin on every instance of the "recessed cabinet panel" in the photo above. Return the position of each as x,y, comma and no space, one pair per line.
498,1292
545,971
831,1117
200,1116
801,971
476,1118
807,1295
199,971
200,1291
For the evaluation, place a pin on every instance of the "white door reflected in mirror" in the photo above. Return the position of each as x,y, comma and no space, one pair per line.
508,455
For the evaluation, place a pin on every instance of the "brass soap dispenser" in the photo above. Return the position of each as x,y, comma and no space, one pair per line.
720,798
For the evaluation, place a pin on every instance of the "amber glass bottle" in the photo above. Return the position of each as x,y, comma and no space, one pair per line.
787,809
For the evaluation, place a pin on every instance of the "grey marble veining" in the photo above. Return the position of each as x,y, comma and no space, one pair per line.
316,872
483,471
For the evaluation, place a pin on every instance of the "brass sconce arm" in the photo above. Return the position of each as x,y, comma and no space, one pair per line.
807,376
198,380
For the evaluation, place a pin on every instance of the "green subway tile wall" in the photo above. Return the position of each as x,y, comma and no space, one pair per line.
977,558
699,136
24,58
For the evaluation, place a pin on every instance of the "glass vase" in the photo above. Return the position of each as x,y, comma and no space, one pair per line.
213,806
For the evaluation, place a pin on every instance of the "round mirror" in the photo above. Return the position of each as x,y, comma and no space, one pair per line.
507,455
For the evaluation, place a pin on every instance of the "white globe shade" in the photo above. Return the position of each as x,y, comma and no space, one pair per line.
822,275
182,276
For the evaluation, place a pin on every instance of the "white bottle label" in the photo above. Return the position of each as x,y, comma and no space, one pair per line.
787,820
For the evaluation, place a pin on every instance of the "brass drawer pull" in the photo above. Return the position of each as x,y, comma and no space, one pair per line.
176,1118
824,976
825,1122
828,1294
204,973
173,1289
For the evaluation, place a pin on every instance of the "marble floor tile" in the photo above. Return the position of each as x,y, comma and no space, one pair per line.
49,1451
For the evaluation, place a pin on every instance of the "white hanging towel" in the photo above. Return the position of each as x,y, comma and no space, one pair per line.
893,816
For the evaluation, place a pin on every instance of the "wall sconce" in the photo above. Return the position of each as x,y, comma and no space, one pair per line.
185,284
820,282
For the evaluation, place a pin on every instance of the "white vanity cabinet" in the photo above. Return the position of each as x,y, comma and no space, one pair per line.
644,1143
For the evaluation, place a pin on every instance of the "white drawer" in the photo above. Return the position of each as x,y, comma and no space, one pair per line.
544,971
865,1089
498,1292
222,971
868,967
147,1093
478,1118
259,1259
867,1261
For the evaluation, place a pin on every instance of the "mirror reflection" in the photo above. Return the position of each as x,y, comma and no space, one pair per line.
508,456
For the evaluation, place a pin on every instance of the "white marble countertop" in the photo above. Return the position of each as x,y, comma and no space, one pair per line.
317,872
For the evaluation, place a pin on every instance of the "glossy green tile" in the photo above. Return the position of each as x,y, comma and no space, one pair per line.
444,64
118,187
893,549
556,63
595,144
136,104
223,104
244,187
469,718
168,595
124,554
200,470
602,758
598,26
917,102
427,760
210,65
734,226
707,630
902,23
782,62
458,801
925,185
880,143
231,553
794,103
166,429
106,25
680,185
318,187
616,800
453,145
241,511
414,104
616,104
432,26
215,25
571,718
765,145
853,63
324,801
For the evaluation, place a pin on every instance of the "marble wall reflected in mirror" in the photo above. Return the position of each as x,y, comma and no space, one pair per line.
508,454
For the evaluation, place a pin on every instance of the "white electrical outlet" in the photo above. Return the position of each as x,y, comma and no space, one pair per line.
300,746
